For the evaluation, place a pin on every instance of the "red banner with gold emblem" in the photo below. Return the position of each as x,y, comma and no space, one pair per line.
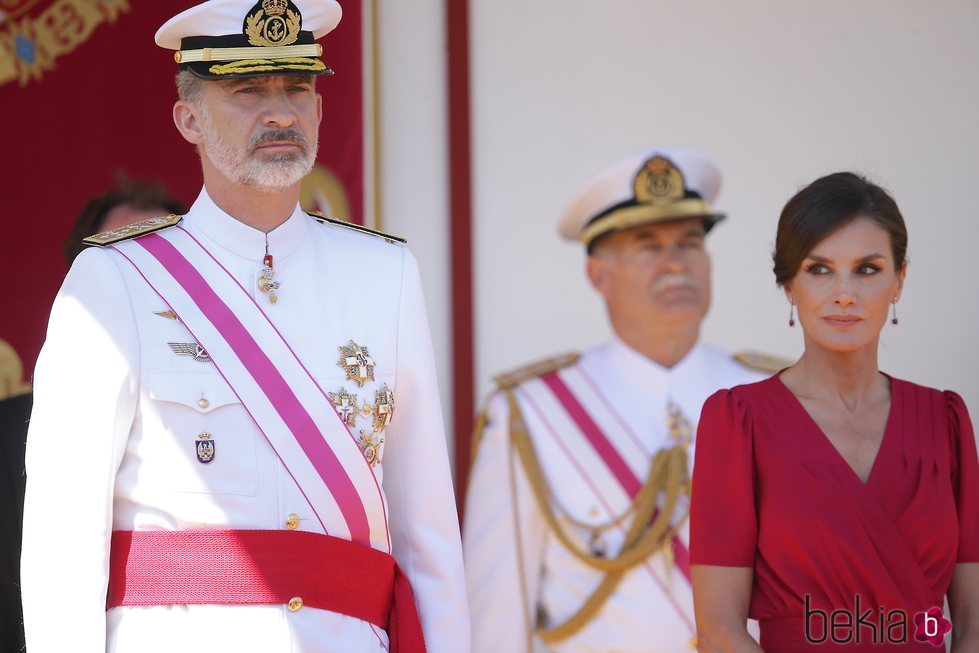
85,95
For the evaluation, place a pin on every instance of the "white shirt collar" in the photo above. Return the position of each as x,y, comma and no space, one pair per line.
642,370
238,238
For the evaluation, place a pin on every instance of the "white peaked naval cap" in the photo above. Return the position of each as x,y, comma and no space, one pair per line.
661,185
224,39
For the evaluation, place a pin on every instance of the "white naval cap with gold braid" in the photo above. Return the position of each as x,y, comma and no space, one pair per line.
222,39
659,185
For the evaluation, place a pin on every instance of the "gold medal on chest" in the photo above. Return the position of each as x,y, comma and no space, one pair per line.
370,444
345,405
357,363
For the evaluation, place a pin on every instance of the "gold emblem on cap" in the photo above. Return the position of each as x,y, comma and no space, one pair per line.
658,182
273,24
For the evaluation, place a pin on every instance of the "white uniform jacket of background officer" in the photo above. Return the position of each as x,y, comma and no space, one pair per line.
112,442
640,616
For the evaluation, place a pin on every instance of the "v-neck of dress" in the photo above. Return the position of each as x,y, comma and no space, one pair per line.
832,451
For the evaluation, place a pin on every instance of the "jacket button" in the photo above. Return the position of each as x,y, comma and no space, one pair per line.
295,603
292,522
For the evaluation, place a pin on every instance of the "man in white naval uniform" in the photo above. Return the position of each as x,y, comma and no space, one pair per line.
575,531
152,466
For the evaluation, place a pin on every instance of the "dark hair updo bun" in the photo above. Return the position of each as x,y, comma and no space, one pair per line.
825,206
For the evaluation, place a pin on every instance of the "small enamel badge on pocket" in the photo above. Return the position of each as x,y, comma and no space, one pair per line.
205,448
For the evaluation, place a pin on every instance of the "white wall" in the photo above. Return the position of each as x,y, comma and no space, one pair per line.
780,93
414,155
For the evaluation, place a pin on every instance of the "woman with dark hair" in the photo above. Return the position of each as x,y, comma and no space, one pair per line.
832,502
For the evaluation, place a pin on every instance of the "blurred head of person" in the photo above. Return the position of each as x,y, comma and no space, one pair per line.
129,201
643,221
840,256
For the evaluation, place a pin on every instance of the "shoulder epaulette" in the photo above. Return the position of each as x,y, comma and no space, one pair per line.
762,362
319,217
515,377
134,230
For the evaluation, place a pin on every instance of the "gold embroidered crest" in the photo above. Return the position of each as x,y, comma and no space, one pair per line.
658,181
30,45
273,24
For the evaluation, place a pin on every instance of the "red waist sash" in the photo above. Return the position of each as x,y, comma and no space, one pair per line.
235,567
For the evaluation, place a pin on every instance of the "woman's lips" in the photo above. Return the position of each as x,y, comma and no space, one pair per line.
842,321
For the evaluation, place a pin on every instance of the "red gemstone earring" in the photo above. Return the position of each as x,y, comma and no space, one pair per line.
894,312
791,313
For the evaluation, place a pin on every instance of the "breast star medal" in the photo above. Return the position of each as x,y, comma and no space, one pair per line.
345,405
383,408
205,448
357,363
191,349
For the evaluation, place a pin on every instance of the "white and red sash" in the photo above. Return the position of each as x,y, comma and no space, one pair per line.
597,445
274,386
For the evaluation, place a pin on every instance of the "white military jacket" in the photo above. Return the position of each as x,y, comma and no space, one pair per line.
517,570
117,414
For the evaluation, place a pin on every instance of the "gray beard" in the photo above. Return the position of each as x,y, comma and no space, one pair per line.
248,167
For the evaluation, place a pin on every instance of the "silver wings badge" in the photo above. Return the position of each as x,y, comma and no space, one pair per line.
192,349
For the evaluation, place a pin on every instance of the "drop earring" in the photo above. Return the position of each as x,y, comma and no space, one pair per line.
791,313
894,312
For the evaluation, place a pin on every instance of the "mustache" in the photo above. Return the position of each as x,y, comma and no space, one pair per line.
281,136
673,281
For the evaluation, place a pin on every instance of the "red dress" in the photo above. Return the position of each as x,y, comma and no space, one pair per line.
771,492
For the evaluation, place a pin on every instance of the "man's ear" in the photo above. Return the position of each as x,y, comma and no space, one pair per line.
186,116
597,269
